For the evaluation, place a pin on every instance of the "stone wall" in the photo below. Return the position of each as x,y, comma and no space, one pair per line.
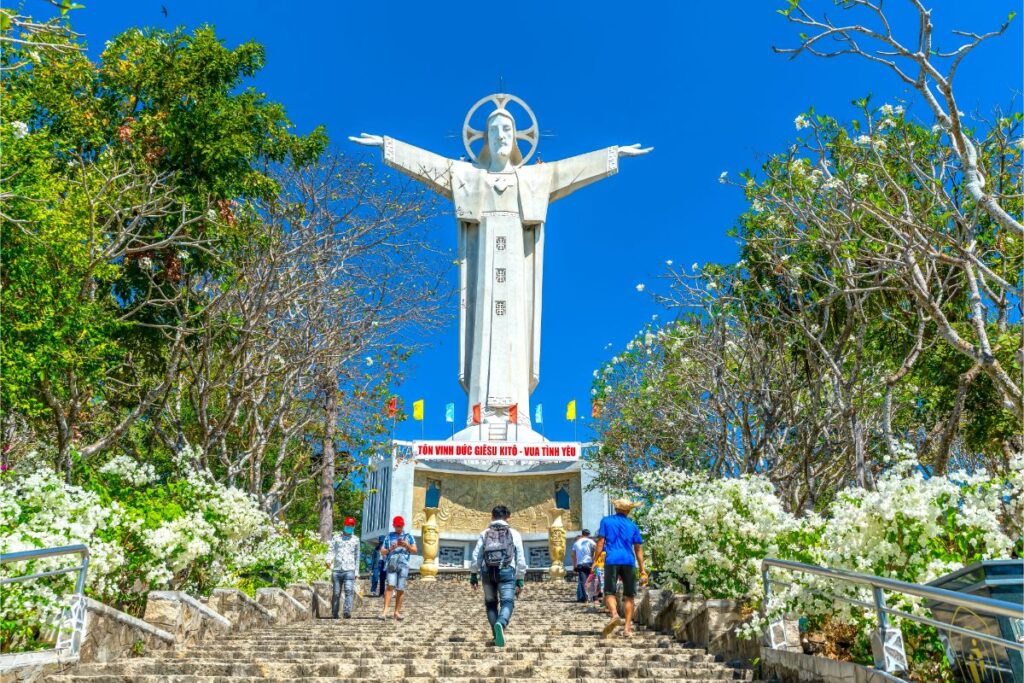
182,615
243,612
796,667
111,634
173,619
285,608
698,622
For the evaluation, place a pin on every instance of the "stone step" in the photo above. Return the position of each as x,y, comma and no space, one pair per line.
510,652
173,678
444,637
409,670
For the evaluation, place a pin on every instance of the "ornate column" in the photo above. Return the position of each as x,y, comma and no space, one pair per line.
556,543
428,571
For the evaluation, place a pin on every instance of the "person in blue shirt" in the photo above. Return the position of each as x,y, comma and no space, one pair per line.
377,573
399,546
620,538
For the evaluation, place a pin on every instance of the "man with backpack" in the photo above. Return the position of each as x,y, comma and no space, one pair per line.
398,548
501,562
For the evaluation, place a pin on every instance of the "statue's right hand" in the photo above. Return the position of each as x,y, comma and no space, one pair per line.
367,139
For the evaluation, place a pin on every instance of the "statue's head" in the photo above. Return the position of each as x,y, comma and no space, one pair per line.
501,139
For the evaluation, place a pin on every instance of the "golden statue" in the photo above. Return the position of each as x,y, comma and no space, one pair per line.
556,543
428,571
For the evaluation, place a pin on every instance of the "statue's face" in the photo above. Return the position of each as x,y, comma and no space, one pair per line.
501,135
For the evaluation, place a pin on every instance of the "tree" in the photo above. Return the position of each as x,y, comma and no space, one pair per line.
121,185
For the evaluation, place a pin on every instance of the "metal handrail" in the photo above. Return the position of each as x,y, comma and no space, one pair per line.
66,649
884,654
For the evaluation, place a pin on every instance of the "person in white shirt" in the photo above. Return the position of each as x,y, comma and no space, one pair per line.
583,562
501,562
343,559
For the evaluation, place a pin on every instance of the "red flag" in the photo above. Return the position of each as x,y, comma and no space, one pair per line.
513,413
392,406
476,414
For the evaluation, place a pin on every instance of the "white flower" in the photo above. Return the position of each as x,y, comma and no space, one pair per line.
145,263
669,263
694,267
801,122
860,179
722,178
211,215
863,140
937,128
369,361
129,471
641,287
757,205
20,129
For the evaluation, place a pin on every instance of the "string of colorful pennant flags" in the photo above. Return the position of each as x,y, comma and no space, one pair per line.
513,413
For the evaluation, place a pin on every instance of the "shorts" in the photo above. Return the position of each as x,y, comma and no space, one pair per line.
612,573
398,578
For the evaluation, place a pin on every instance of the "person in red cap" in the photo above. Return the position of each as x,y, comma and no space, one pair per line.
343,560
398,548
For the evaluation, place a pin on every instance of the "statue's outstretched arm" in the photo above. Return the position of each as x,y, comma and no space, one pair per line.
569,175
433,170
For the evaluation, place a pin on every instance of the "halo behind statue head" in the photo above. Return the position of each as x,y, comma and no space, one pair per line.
500,100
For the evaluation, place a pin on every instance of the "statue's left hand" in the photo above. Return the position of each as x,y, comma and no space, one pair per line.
367,139
633,150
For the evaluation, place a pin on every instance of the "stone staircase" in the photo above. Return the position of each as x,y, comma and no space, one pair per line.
444,637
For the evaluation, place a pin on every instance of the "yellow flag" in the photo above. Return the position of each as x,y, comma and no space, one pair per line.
417,410
570,410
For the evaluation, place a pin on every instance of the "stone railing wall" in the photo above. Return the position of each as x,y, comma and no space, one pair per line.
696,621
173,619
712,624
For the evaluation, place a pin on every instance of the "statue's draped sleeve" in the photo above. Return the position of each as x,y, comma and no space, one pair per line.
569,175
433,170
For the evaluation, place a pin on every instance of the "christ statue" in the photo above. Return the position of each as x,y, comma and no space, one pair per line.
501,207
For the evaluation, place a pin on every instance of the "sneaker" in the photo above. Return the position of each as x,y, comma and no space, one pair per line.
499,634
348,615
610,627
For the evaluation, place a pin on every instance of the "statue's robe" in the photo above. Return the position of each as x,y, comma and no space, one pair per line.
501,220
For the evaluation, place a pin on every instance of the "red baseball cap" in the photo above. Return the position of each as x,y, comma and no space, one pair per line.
398,521
350,521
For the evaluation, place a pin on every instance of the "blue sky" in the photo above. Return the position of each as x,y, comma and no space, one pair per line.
698,81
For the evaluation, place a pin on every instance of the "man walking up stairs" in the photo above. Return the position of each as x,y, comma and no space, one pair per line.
501,562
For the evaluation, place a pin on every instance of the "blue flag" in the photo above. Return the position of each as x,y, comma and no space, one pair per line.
449,412
538,414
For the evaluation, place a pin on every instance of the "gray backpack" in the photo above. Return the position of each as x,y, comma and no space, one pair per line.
499,548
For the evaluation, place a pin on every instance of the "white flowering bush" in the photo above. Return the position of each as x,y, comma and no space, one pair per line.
182,531
711,534
39,510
